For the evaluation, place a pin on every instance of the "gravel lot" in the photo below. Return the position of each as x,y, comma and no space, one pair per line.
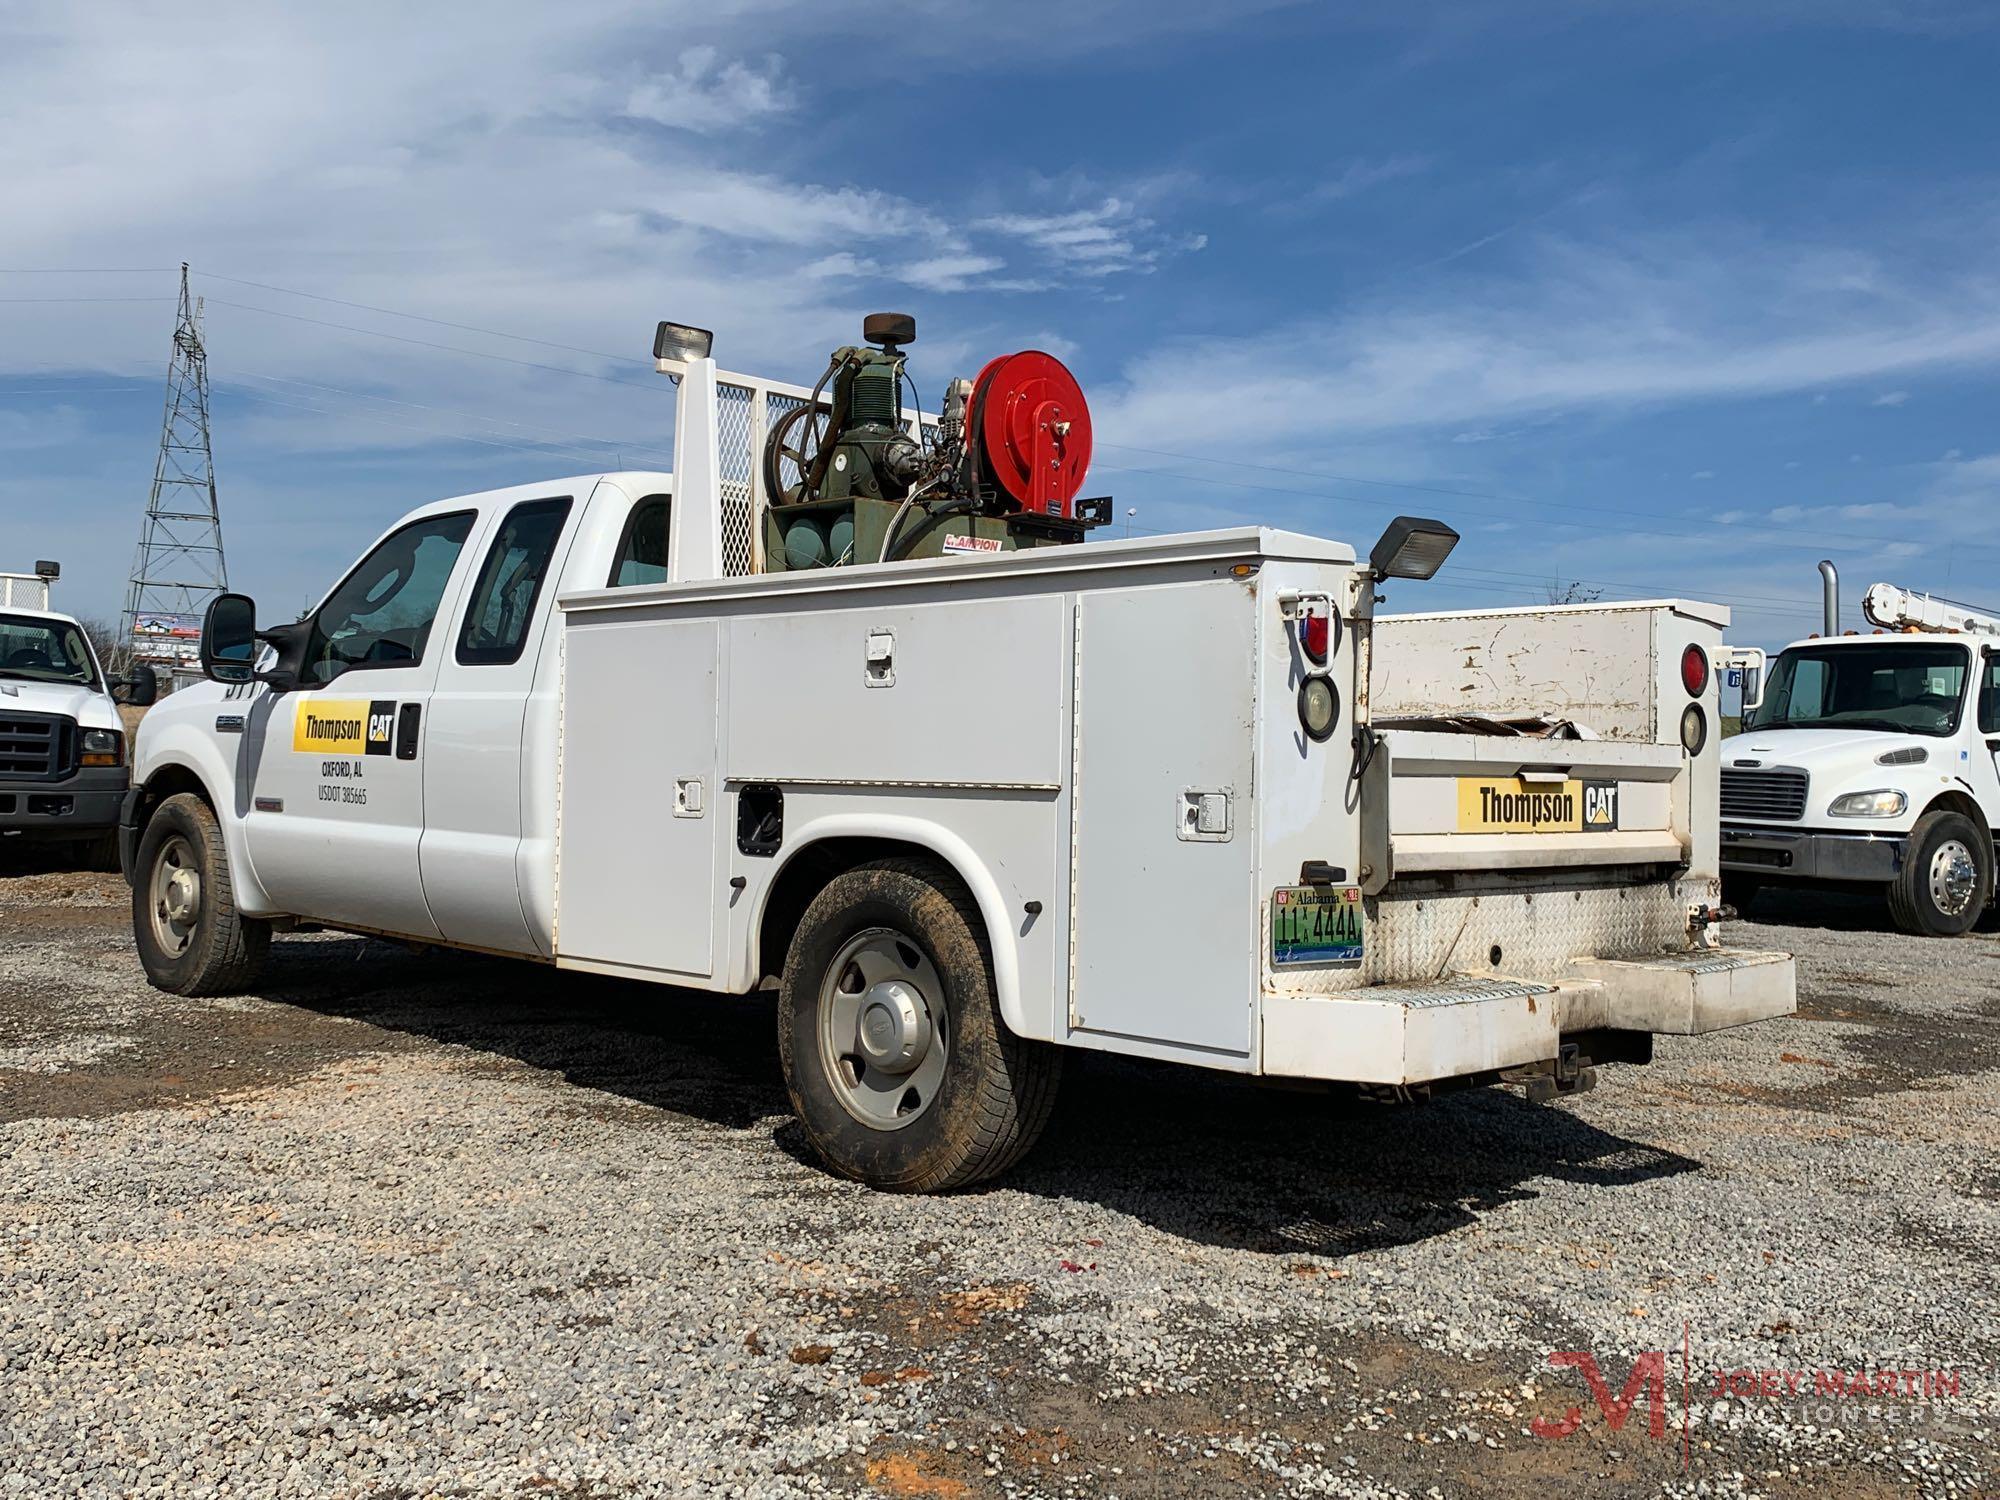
410,1224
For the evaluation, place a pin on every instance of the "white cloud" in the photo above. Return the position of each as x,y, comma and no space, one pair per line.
707,98
1358,176
1102,240
947,273
1891,398
1578,327
1702,474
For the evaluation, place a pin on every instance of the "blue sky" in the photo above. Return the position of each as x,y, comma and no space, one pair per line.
1672,298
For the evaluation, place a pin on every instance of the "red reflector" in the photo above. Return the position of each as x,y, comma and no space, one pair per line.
1313,633
1694,671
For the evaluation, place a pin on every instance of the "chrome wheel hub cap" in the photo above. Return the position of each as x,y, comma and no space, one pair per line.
882,1032
175,896
1954,878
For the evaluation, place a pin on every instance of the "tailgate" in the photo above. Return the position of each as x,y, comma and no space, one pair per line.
1497,802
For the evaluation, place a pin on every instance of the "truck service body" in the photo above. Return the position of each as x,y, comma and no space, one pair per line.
1874,760
972,808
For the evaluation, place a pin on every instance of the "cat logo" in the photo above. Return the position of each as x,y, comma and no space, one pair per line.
381,727
344,726
1600,805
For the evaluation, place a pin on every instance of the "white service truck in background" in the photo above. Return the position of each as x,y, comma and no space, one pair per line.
1871,760
63,772
1184,798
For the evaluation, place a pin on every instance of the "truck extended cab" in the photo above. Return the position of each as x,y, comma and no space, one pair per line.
1183,798
63,772
1874,760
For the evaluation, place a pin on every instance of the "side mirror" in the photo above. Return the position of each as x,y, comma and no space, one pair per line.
229,638
140,690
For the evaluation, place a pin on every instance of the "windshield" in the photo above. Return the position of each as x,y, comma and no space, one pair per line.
33,650
1907,687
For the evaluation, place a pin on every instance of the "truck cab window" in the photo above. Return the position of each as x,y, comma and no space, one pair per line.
382,613
1989,697
642,549
510,581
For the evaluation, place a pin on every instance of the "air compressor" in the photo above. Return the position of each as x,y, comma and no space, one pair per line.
848,481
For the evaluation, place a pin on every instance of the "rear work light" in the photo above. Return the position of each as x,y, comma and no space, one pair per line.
1694,671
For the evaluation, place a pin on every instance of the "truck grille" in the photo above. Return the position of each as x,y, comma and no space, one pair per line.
1775,794
36,747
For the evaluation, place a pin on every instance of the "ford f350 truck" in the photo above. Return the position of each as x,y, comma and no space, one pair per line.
1185,798
63,772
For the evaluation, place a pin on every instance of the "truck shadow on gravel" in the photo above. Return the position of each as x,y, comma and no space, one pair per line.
1210,1159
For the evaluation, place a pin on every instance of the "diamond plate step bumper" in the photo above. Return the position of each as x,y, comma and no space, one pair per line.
1690,993
1465,1025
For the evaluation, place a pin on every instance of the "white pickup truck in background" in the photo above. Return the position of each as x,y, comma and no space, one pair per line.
966,809
1874,760
62,744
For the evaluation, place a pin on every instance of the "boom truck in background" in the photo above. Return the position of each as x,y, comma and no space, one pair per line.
1873,760
840,706
63,772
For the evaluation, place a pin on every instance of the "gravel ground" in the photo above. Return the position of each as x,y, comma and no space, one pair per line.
409,1224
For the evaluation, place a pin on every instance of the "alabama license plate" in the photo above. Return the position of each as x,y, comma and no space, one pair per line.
1509,805
1316,924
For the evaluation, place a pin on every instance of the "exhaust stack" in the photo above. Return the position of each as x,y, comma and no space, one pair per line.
1830,589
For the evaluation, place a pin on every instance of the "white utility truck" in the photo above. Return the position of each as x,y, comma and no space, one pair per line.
62,744
996,796
1871,759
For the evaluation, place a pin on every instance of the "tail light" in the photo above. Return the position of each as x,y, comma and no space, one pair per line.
1694,671
1316,635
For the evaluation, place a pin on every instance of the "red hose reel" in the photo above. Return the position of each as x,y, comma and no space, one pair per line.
1032,426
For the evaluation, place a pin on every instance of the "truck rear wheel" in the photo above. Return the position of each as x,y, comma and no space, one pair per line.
1947,876
895,1056
191,938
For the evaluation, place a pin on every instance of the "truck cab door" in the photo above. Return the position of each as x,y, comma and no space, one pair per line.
498,659
336,765
1989,727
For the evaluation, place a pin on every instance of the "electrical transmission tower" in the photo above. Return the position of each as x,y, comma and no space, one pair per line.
179,567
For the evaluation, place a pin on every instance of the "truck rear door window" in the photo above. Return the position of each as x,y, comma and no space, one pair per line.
642,549
510,581
382,613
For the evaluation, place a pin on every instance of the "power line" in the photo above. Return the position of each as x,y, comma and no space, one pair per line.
430,432
530,364
85,299
609,442
390,312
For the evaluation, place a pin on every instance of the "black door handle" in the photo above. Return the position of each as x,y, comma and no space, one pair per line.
407,718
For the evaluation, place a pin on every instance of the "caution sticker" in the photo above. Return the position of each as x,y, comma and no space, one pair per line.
345,726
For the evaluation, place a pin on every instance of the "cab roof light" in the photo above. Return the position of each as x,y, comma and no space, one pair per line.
1412,547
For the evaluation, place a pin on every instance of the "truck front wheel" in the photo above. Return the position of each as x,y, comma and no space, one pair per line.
1947,876
191,938
895,1056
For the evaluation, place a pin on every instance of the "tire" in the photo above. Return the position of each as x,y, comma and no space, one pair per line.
191,939
1930,895
1741,892
898,1064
